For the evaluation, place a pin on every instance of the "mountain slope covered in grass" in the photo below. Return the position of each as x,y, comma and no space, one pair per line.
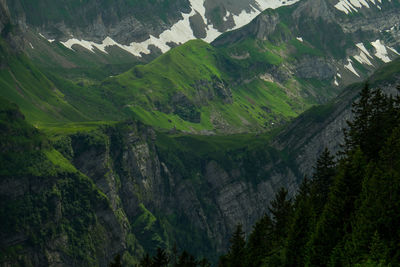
248,80
112,156
188,88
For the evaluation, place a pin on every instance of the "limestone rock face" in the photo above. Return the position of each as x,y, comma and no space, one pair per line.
211,195
131,170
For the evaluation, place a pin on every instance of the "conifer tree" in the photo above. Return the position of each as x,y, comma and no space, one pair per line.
116,262
146,261
378,217
301,226
236,254
281,210
374,117
337,212
160,259
204,263
324,172
186,260
348,214
260,243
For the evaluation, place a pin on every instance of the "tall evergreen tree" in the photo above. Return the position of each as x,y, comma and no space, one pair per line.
160,259
337,212
324,172
146,261
260,244
300,229
374,117
186,260
204,263
116,262
236,253
377,218
281,209
348,214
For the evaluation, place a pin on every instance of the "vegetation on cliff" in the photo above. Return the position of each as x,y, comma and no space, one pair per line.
346,213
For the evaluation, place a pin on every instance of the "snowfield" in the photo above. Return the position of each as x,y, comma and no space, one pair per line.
349,6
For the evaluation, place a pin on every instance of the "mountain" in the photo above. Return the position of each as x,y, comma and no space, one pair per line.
251,79
174,148
160,188
76,35
50,213
344,214
133,25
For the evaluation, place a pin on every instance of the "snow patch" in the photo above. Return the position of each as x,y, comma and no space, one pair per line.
363,59
363,49
350,67
338,75
300,39
348,6
393,50
181,31
381,51
49,40
228,14
245,17
264,4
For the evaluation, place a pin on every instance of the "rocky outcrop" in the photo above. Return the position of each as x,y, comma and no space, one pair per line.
330,35
211,195
322,127
4,16
50,214
311,67
94,20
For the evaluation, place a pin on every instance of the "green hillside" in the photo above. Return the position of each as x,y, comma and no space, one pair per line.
22,83
189,88
192,88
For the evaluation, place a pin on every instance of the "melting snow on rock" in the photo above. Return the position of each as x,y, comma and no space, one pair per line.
349,6
180,32
381,51
350,67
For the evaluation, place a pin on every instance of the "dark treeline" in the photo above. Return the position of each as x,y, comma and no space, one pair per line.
348,212
173,259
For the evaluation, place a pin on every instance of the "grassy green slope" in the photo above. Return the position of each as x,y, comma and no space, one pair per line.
196,87
22,83
247,85
49,100
199,71
79,65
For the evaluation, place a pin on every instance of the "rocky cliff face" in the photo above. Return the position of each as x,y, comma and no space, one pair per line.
140,27
7,30
181,182
194,197
346,46
50,214
4,16
322,127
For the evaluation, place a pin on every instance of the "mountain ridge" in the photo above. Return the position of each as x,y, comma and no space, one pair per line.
180,149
